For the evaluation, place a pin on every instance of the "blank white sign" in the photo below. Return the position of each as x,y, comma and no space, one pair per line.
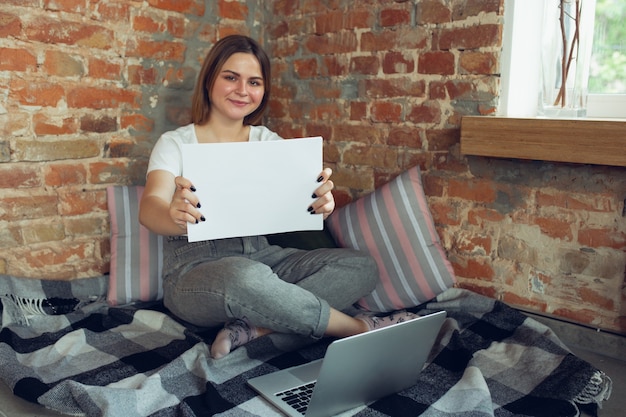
254,188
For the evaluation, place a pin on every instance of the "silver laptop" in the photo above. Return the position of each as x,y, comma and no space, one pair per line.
356,370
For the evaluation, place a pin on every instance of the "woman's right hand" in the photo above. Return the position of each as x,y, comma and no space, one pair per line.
184,207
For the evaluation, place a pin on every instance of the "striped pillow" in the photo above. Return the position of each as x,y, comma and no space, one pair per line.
136,253
394,225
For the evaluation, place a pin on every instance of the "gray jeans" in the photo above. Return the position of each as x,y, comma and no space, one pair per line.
283,289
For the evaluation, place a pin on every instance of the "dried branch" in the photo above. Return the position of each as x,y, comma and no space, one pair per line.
568,56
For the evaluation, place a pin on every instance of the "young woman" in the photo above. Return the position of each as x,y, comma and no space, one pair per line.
248,286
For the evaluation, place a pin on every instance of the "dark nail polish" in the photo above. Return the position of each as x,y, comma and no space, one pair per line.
314,195
313,212
197,221
198,205
203,218
320,179
309,209
192,188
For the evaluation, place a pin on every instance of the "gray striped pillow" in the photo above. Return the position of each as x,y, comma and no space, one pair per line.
394,225
136,253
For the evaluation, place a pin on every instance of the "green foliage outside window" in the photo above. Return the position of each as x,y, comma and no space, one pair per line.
608,60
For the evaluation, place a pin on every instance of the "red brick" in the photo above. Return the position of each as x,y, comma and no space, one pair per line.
444,213
471,8
305,68
47,258
334,43
478,287
394,17
52,150
597,238
442,139
433,11
98,124
327,111
52,31
54,125
140,76
477,267
436,90
555,228
371,156
427,112
10,25
108,172
517,300
64,174
137,123
580,315
180,28
17,60
482,63
19,176
358,19
79,201
101,98
355,179
472,37
233,9
591,297
440,63
474,244
195,7
358,110
62,64
356,133
386,112
143,23
104,69
114,12
72,6
159,50
325,89
401,39
37,94
480,191
329,22
389,88
478,216
405,136
367,65
572,201
398,63
28,207
460,89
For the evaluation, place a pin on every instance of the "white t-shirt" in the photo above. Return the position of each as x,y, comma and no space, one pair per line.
167,152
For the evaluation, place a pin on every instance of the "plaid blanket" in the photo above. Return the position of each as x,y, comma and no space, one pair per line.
63,347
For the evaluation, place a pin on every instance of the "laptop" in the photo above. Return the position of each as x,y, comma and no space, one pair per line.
355,371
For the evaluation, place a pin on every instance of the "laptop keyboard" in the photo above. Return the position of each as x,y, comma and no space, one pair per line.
298,397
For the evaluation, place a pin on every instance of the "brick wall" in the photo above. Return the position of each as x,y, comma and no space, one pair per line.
86,87
386,84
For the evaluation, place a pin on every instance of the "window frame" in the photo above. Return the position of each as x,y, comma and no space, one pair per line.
521,66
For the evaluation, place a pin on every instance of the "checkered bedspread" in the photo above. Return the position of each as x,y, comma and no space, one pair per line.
63,347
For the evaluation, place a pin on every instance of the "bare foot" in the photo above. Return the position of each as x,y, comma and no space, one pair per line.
234,334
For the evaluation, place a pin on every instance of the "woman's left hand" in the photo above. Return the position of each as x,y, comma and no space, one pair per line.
325,202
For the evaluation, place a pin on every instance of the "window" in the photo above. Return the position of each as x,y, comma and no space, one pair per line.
521,58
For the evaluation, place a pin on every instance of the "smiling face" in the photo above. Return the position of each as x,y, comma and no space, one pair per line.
238,89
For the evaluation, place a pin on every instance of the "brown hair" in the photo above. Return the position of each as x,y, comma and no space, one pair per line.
215,59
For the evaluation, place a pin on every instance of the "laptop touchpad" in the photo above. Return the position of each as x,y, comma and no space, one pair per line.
307,372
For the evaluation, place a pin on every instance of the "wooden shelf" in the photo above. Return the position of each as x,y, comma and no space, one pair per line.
585,141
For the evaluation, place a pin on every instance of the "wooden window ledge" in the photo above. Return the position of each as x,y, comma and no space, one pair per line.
586,141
